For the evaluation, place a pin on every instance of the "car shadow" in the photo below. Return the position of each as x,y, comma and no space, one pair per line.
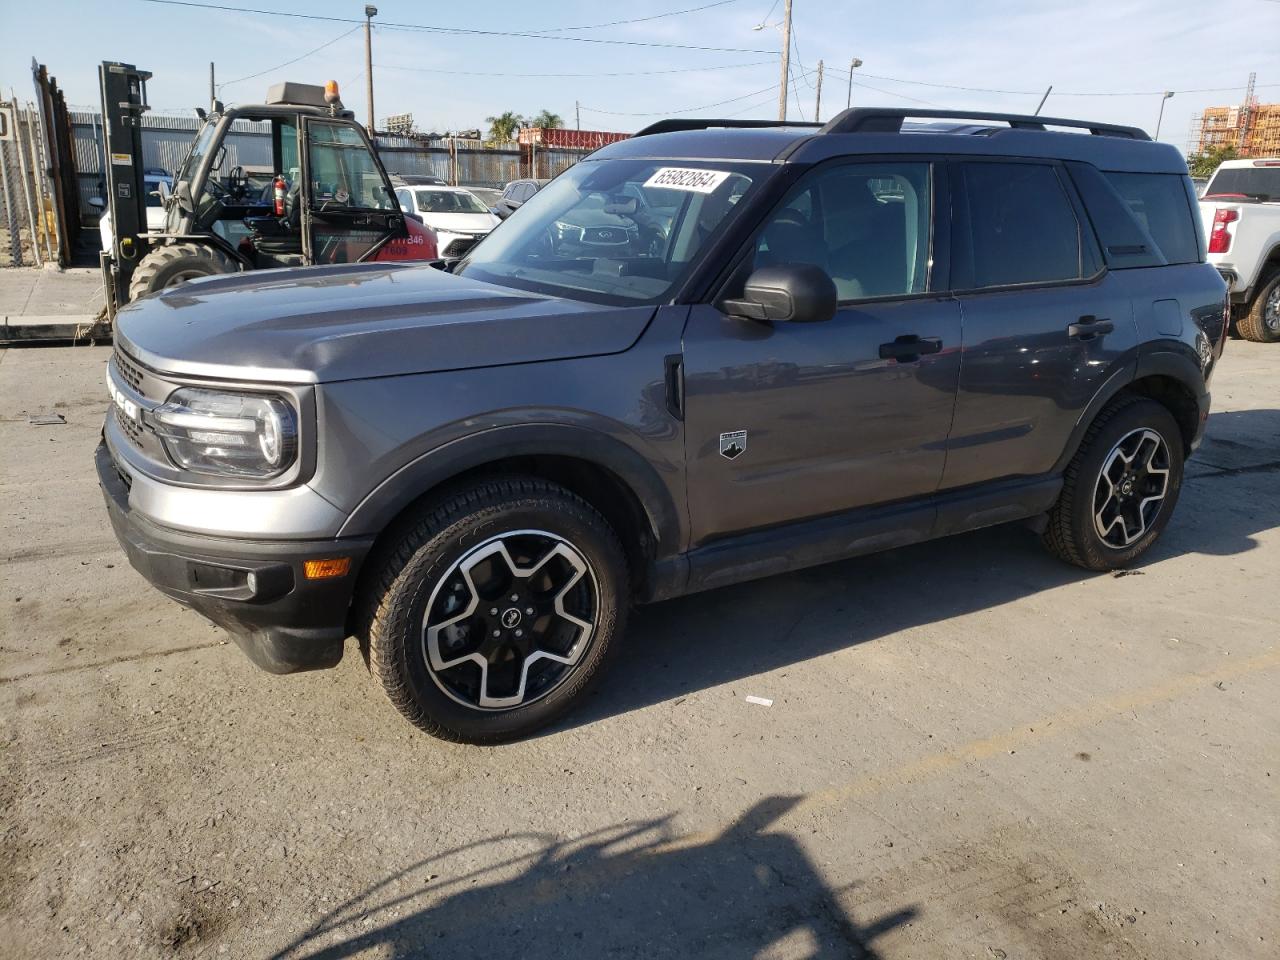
1231,492
632,890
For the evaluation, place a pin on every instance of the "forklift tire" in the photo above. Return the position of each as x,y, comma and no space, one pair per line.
177,263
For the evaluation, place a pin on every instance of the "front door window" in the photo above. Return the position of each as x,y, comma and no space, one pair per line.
350,207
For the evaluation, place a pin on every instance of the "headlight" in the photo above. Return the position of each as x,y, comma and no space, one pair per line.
566,232
228,434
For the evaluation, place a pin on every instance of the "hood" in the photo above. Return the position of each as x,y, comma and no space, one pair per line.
460,222
318,324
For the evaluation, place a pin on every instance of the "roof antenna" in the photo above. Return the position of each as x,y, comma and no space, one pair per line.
1042,100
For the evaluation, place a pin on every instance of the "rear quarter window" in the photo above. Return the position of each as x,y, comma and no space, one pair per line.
1160,202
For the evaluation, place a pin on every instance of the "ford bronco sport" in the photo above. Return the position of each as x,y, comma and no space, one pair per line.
794,344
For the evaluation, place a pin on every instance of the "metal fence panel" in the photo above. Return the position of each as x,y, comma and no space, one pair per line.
166,139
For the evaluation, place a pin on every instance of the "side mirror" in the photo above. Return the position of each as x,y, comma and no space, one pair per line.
797,292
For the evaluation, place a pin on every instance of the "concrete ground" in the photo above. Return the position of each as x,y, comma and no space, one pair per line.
972,751
30,290
40,304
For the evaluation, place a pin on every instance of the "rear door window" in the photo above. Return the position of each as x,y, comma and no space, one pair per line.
1020,227
1159,201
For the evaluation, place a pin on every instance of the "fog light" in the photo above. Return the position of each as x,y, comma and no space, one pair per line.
326,569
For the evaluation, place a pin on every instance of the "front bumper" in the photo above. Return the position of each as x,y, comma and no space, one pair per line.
253,589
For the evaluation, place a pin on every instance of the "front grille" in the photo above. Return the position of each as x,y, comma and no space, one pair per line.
458,247
128,370
131,428
142,382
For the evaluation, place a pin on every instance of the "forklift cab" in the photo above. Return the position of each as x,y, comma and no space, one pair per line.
326,199
323,197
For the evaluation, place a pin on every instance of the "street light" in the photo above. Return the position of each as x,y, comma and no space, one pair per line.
1159,120
370,12
854,63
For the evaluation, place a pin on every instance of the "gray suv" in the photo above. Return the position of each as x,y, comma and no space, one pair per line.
816,342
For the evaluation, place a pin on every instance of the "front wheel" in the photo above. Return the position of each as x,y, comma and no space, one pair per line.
1120,488
175,263
490,615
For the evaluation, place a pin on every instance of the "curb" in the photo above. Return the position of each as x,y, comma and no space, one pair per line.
77,328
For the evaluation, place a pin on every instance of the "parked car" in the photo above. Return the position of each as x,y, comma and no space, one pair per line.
416,180
847,339
515,194
488,196
458,216
158,184
1241,213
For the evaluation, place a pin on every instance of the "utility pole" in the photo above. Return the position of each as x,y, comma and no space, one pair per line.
577,115
370,12
212,95
853,64
817,103
786,59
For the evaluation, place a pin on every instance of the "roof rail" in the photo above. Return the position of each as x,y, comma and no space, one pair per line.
889,120
673,125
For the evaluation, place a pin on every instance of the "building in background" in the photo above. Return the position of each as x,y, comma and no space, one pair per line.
1252,128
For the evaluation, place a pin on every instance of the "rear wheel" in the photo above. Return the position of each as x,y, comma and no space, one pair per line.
1261,323
175,263
492,613
1120,489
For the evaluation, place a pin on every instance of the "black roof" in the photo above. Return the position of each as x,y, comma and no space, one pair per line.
893,131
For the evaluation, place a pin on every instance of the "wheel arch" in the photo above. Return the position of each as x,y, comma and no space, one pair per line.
1170,376
611,476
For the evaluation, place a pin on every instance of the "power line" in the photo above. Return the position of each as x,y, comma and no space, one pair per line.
656,16
795,87
667,113
765,18
451,31
290,62
627,73
1056,92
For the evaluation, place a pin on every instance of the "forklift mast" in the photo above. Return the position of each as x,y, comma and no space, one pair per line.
124,101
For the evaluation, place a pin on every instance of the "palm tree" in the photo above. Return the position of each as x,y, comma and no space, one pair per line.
547,120
504,126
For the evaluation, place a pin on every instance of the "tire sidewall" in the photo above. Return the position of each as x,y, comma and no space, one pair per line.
1143,414
434,559
161,277
1264,334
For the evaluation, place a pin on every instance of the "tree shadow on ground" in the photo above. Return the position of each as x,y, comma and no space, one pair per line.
1231,492
632,890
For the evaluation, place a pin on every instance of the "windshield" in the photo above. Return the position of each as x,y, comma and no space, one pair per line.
1257,183
449,201
199,147
615,231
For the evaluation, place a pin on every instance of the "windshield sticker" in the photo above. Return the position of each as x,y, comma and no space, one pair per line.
684,178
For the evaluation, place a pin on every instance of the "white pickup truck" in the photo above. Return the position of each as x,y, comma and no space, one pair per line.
1241,213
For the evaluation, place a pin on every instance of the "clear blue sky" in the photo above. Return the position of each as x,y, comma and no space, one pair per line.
448,81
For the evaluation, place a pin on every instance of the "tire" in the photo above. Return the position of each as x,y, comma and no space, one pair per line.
1131,425
1261,322
436,597
176,263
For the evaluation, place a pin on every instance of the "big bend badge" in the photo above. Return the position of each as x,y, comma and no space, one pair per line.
733,445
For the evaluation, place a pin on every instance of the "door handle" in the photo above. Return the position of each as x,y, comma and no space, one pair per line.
909,347
1088,327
